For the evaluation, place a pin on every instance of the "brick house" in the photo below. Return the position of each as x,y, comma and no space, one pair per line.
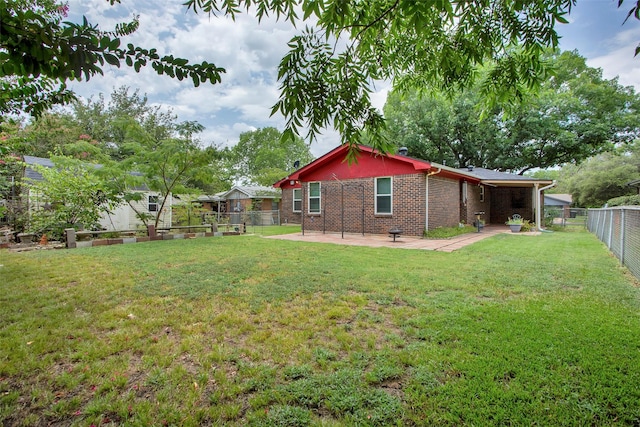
259,202
381,192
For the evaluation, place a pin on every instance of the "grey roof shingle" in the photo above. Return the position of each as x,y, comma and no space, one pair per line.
491,175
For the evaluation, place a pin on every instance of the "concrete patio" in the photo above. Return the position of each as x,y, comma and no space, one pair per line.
402,242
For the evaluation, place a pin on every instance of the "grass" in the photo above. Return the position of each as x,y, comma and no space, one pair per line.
243,330
272,230
448,232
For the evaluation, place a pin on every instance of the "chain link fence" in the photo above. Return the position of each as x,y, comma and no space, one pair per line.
565,217
619,229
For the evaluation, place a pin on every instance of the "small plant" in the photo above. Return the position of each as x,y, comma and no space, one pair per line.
515,220
527,225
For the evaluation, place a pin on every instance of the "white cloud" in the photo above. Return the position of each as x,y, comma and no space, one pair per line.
619,60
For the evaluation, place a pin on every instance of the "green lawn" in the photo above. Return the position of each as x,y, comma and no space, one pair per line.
513,330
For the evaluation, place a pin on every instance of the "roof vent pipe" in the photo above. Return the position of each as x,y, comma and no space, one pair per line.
403,151
470,168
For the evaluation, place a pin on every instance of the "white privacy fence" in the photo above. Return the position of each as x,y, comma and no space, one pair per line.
619,229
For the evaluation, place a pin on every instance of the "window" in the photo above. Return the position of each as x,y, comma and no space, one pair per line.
297,199
153,203
482,193
384,196
464,192
314,197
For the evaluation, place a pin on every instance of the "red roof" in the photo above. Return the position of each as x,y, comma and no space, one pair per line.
371,163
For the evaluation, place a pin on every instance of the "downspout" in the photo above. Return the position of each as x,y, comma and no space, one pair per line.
538,210
426,210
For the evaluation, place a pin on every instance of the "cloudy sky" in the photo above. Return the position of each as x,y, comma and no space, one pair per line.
250,52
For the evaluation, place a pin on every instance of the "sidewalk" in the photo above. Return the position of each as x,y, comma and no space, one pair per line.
402,242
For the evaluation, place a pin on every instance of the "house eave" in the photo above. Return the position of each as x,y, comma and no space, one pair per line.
515,183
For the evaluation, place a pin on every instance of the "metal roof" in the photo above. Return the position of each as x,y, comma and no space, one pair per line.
32,160
565,198
493,177
253,192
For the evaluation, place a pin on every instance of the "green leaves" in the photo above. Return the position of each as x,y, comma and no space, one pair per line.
571,116
265,155
38,49
69,195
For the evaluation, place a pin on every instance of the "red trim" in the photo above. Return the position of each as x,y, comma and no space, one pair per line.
334,165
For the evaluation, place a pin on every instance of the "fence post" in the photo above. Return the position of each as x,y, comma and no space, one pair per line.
622,233
610,239
70,234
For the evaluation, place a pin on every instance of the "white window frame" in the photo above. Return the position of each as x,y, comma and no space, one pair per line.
390,195
319,197
297,199
155,203
482,193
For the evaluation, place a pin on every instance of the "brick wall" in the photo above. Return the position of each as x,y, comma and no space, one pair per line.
286,208
475,205
507,201
350,206
444,202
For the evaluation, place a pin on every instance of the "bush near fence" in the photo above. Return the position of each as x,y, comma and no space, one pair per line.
619,229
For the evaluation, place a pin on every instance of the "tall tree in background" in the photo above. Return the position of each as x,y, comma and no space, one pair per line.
575,114
416,44
108,121
443,129
263,157
602,177
165,166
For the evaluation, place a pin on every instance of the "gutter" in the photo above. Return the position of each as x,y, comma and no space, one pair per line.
426,210
538,194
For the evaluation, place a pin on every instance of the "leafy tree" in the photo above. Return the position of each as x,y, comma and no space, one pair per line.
108,121
165,166
442,129
326,77
263,157
602,177
69,195
574,115
39,53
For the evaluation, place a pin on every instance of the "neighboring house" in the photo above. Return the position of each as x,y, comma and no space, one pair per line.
123,217
381,192
559,201
240,199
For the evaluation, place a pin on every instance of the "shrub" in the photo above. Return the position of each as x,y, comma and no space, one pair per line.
624,201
